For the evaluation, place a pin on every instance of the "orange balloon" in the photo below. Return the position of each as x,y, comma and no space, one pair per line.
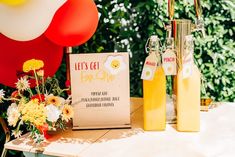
74,23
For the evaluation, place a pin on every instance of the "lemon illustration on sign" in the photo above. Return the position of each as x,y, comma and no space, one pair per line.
115,64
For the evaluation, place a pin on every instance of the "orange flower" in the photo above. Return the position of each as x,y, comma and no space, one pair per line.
67,112
43,129
40,98
15,95
55,100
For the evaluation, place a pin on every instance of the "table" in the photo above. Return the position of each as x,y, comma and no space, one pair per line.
216,139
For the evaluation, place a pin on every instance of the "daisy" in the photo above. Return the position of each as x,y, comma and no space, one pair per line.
16,133
67,112
55,100
13,114
22,84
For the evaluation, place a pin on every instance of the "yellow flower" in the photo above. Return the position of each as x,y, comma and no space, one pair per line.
34,113
32,64
21,104
67,112
55,100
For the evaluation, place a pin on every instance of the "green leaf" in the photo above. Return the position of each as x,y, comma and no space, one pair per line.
159,32
210,85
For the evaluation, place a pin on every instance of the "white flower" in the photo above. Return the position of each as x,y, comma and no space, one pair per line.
115,64
22,84
16,133
53,113
13,114
2,94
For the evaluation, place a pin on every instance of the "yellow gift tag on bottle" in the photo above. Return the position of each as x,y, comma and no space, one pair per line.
150,66
188,57
169,62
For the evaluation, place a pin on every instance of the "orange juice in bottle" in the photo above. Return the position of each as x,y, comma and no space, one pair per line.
187,82
188,101
154,89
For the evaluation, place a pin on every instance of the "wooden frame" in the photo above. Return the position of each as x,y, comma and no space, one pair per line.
7,134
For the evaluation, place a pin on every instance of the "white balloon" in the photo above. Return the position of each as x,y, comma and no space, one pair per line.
29,20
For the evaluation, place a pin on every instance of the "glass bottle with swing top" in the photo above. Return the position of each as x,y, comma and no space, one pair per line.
154,89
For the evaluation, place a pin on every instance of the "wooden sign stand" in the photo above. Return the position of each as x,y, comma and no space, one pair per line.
100,90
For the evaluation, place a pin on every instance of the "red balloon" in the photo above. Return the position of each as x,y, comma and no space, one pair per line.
14,53
74,23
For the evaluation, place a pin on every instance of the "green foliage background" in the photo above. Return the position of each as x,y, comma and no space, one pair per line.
125,25
214,54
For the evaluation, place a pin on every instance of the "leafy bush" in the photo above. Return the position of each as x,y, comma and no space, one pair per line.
216,53
127,24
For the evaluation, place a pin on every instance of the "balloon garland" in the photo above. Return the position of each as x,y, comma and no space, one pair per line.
74,23
40,29
29,20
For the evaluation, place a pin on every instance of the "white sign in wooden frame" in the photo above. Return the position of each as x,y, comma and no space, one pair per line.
100,90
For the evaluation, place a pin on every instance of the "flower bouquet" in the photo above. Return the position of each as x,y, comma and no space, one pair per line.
37,103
